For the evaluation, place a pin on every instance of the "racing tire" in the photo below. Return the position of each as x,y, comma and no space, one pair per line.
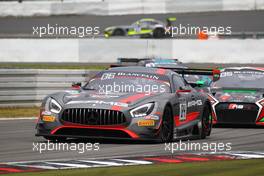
206,123
166,128
118,32
159,33
55,139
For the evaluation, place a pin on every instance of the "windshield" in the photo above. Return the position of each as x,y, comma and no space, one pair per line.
205,80
240,79
116,82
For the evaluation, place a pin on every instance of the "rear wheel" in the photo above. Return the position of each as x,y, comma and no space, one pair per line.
206,122
166,131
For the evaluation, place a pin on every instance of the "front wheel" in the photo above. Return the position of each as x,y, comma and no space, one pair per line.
159,33
206,122
166,131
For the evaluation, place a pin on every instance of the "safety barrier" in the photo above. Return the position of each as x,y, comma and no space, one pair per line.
27,87
119,7
107,50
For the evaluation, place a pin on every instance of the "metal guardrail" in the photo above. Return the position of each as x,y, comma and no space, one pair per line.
27,87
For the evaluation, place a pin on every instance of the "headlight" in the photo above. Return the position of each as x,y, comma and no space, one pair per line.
52,106
142,111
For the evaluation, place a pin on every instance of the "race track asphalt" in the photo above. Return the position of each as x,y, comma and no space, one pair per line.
17,137
240,21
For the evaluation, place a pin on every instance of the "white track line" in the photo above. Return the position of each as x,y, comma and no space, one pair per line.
18,118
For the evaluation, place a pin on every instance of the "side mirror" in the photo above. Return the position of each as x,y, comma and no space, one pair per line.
216,75
76,85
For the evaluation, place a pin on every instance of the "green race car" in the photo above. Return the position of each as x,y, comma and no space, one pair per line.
146,27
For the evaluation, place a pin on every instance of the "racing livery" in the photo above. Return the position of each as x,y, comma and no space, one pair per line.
238,97
135,103
146,27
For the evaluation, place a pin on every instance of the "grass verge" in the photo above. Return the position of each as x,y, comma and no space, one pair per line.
214,168
19,112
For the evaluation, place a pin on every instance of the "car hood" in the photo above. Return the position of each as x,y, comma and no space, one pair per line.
238,95
96,99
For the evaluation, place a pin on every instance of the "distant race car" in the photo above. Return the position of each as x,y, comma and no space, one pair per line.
154,62
238,97
135,103
203,81
146,27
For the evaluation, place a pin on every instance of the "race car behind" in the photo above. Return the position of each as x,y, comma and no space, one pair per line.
238,97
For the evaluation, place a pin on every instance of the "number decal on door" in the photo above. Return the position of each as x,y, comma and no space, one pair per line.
183,111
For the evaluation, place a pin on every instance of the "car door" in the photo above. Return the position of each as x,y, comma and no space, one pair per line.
185,98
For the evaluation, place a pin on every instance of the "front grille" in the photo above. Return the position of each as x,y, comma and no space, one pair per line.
88,116
246,115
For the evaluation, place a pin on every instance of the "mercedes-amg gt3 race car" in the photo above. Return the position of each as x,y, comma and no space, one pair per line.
146,27
128,103
238,97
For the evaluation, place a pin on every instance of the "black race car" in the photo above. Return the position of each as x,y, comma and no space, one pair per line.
238,97
155,62
128,103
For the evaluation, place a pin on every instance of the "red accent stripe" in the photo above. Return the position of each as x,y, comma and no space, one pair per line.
164,160
161,71
115,128
133,98
189,117
6,169
129,99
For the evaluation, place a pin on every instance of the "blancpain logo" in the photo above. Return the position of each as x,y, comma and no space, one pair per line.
99,102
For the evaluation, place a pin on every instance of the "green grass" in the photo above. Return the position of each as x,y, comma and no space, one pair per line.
19,112
215,168
84,66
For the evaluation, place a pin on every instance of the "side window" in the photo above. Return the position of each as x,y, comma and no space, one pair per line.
178,82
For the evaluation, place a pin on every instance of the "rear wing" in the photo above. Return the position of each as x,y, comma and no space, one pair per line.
130,60
215,73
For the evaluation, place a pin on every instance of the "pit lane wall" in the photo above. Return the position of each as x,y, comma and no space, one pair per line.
119,7
108,50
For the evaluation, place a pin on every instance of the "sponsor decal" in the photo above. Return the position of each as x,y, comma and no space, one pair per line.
146,123
46,118
195,103
152,117
99,102
235,106
183,110
112,75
